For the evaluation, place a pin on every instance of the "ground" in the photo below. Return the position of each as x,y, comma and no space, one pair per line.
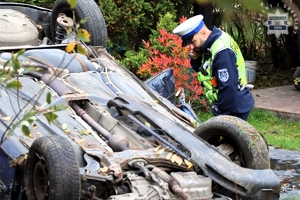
268,76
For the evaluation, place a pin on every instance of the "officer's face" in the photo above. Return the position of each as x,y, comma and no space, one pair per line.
197,42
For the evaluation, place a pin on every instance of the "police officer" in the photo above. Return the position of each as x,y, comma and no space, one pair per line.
220,65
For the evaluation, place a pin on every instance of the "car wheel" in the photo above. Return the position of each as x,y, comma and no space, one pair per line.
236,139
51,170
95,24
296,78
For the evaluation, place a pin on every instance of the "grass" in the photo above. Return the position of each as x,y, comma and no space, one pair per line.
278,132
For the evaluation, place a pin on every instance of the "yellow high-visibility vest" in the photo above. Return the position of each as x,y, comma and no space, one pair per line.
225,41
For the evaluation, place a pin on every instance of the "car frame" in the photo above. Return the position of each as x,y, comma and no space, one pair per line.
118,137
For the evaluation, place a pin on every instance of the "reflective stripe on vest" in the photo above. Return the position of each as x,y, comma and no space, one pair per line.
225,41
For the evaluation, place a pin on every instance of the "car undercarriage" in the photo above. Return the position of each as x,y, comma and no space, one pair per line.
115,137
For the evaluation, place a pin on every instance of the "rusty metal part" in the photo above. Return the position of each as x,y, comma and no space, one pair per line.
173,184
82,63
92,147
91,170
117,171
65,21
20,161
57,85
158,137
141,164
44,63
116,142
85,116
91,192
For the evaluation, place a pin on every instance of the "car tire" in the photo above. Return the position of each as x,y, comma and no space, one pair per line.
296,78
95,24
52,170
249,147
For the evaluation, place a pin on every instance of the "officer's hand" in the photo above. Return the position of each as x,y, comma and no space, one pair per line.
194,53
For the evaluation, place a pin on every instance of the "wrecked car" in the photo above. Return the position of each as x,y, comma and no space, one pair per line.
116,137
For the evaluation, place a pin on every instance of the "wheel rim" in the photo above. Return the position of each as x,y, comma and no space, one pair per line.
40,179
224,143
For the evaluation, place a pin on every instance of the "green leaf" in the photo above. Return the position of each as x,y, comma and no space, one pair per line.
25,123
8,77
2,76
19,53
32,119
48,98
15,84
2,73
13,127
31,69
72,3
67,131
83,132
15,65
83,35
51,117
59,107
65,126
30,115
81,50
84,20
6,63
25,130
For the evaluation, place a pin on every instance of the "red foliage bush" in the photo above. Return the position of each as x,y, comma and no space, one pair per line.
170,54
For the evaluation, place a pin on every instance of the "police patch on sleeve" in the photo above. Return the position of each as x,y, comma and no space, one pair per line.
223,75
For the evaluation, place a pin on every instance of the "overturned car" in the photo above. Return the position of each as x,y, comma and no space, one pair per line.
117,137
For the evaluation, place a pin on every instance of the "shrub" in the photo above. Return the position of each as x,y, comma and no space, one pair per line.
164,51
131,21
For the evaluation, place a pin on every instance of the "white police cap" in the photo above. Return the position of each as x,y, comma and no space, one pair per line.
189,28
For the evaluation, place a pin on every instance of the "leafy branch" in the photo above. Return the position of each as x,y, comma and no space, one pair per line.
9,80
